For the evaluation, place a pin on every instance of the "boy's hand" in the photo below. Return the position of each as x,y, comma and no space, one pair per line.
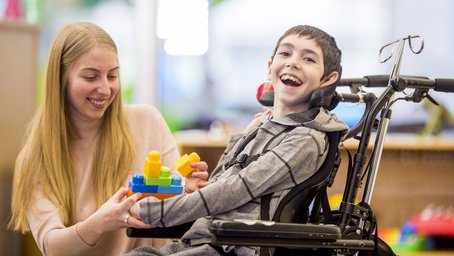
197,178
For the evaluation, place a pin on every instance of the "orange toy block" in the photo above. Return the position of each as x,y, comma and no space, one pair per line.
183,164
152,166
160,196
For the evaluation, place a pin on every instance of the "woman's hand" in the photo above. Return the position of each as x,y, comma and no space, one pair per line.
257,119
113,215
197,179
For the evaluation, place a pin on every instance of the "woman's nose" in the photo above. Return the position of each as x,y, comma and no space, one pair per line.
103,87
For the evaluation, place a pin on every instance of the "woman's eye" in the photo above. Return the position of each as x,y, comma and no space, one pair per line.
90,78
112,77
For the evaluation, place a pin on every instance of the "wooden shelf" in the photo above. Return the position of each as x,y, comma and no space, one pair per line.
410,142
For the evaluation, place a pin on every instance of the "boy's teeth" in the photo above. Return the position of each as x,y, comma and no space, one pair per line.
291,78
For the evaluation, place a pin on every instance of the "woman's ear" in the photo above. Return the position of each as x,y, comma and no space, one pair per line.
330,79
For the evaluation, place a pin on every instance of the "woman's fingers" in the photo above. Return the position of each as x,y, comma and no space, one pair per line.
120,194
136,223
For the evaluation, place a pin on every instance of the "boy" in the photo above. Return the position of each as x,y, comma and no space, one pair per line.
305,58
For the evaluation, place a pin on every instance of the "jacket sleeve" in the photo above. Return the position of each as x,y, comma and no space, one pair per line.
292,161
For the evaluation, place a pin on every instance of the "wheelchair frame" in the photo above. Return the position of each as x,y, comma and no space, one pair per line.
357,237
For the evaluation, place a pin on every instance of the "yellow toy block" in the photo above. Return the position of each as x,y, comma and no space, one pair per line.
152,166
183,164
164,178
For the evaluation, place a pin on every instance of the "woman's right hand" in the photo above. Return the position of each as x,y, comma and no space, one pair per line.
257,119
113,215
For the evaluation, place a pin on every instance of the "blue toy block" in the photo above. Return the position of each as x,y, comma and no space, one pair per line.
170,189
143,188
176,180
137,179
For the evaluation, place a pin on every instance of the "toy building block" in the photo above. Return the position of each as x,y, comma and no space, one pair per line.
152,166
163,179
136,184
183,164
174,188
156,180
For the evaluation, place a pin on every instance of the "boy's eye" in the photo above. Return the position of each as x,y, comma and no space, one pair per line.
309,59
284,53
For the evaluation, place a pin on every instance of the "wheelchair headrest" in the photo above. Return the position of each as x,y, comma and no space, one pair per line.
325,97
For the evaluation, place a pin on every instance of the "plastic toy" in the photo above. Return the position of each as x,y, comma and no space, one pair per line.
183,164
156,179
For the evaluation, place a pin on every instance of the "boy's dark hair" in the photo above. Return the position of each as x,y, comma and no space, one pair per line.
331,53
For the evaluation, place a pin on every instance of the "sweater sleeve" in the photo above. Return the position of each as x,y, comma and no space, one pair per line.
50,234
292,161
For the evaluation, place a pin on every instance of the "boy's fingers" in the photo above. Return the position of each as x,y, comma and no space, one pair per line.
202,166
200,175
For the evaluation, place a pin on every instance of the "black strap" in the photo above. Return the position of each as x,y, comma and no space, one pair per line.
244,160
265,206
265,200
240,148
327,213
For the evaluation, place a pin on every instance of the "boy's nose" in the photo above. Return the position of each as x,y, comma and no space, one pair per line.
292,63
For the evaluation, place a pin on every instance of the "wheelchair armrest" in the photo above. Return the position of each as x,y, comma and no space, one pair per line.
167,232
271,229
286,235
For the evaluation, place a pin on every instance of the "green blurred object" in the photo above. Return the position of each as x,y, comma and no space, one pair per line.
216,2
439,116
127,93
91,3
33,10
413,243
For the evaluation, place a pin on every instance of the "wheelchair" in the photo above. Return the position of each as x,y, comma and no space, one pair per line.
303,223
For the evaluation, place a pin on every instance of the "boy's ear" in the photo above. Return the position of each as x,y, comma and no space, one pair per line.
269,70
330,79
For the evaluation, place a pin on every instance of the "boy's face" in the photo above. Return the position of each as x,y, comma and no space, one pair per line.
295,72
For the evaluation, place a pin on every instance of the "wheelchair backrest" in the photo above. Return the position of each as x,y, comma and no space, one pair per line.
295,206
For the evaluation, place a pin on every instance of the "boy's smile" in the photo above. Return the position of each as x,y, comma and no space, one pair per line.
291,80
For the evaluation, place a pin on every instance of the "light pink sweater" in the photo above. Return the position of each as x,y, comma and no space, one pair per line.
149,132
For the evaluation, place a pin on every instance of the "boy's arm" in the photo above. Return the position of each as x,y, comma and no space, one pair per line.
291,162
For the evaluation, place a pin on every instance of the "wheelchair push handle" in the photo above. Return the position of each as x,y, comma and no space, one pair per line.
415,82
438,84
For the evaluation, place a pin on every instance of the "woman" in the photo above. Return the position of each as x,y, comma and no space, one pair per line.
81,149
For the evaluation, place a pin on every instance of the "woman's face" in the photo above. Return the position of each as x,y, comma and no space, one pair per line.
93,82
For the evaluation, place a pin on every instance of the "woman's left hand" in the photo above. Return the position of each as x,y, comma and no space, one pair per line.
197,178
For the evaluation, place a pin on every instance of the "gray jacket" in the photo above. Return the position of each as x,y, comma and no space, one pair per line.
234,193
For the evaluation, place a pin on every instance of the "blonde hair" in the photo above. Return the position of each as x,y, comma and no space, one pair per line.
46,158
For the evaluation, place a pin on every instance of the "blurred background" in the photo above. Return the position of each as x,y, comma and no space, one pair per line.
200,61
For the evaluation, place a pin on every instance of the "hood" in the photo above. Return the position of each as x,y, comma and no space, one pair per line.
316,118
